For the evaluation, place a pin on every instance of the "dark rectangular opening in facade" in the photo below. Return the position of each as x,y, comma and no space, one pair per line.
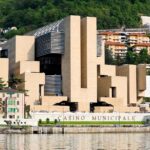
113,91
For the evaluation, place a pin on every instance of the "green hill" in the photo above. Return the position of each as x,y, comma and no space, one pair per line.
27,15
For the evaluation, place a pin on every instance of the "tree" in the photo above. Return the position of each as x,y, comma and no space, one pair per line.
2,84
108,56
131,55
144,57
134,58
32,14
119,60
14,82
27,111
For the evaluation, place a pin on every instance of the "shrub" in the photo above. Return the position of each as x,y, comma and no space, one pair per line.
47,120
40,121
55,121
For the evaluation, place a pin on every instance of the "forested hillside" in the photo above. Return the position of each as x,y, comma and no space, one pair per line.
27,15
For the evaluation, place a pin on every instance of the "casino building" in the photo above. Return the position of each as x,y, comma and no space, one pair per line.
63,66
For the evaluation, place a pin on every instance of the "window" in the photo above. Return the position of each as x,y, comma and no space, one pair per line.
8,109
14,102
113,91
18,95
10,116
11,102
12,110
17,102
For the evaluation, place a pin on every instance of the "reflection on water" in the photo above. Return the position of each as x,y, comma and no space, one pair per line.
122,141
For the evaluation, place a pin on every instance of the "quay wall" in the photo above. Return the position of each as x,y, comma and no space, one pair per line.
74,130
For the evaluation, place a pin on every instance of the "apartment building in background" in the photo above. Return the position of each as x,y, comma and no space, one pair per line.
63,66
117,40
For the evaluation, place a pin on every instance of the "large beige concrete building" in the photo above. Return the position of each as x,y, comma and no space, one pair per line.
63,67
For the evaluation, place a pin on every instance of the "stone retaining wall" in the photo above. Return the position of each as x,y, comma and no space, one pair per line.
76,130
73,130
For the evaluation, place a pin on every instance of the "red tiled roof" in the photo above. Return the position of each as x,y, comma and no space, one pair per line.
108,33
143,44
137,34
118,33
114,43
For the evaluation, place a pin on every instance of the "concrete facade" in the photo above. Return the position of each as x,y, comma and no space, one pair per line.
147,91
4,69
79,74
87,83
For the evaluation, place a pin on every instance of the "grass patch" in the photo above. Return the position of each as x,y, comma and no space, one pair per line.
44,123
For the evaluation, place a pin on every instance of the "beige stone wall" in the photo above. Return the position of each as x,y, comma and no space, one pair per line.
51,100
103,86
50,108
48,104
127,109
25,48
106,85
89,38
108,70
141,77
27,66
130,72
120,83
11,46
104,109
118,106
116,102
32,84
79,61
4,69
141,82
21,48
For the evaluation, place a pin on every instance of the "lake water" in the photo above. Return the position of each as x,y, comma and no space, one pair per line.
128,141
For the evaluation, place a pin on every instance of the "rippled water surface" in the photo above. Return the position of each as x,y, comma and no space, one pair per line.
128,141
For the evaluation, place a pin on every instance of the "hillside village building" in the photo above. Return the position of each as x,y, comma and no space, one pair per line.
117,41
63,67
